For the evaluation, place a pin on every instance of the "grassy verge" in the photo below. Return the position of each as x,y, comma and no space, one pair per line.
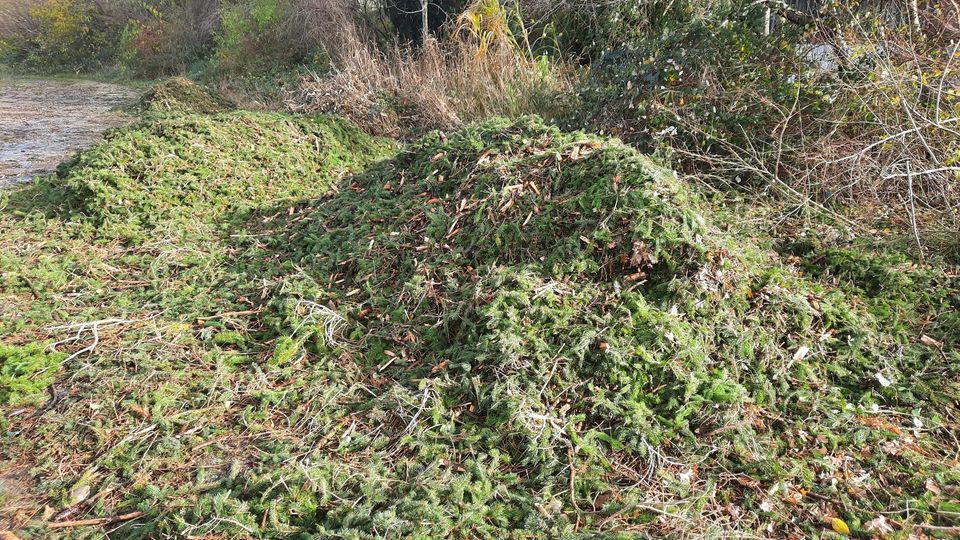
17,72
503,332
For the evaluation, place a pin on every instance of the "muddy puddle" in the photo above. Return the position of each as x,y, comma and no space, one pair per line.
43,122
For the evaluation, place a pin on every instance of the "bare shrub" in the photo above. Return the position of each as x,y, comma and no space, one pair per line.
332,24
862,120
899,144
15,20
889,144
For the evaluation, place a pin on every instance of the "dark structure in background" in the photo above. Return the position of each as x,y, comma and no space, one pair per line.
407,16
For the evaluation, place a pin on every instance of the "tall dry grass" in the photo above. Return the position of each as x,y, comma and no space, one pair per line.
480,69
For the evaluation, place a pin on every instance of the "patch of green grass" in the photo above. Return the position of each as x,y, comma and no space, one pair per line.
504,332
26,372
896,287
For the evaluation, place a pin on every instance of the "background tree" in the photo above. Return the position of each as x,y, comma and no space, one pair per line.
406,17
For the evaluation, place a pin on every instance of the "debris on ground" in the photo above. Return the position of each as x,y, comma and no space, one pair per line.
508,331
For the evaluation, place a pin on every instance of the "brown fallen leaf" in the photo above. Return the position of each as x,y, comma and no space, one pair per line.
139,411
601,500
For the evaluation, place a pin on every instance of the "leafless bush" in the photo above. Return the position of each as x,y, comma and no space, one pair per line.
883,141
333,24
15,19
903,148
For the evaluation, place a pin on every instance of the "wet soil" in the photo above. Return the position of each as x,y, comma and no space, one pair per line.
43,122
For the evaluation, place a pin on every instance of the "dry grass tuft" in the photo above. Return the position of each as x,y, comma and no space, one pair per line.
483,70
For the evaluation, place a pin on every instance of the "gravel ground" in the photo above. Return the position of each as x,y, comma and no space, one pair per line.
43,122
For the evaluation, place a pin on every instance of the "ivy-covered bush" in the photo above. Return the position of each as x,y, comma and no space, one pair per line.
697,83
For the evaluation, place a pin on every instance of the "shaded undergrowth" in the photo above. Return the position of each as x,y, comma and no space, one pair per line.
507,331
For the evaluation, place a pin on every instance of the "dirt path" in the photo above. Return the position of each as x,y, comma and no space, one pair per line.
43,122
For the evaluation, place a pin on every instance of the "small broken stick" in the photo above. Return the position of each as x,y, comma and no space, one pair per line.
94,521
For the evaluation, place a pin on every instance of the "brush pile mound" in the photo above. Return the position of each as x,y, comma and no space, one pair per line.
179,95
175,169
504,332
530,312
579,283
